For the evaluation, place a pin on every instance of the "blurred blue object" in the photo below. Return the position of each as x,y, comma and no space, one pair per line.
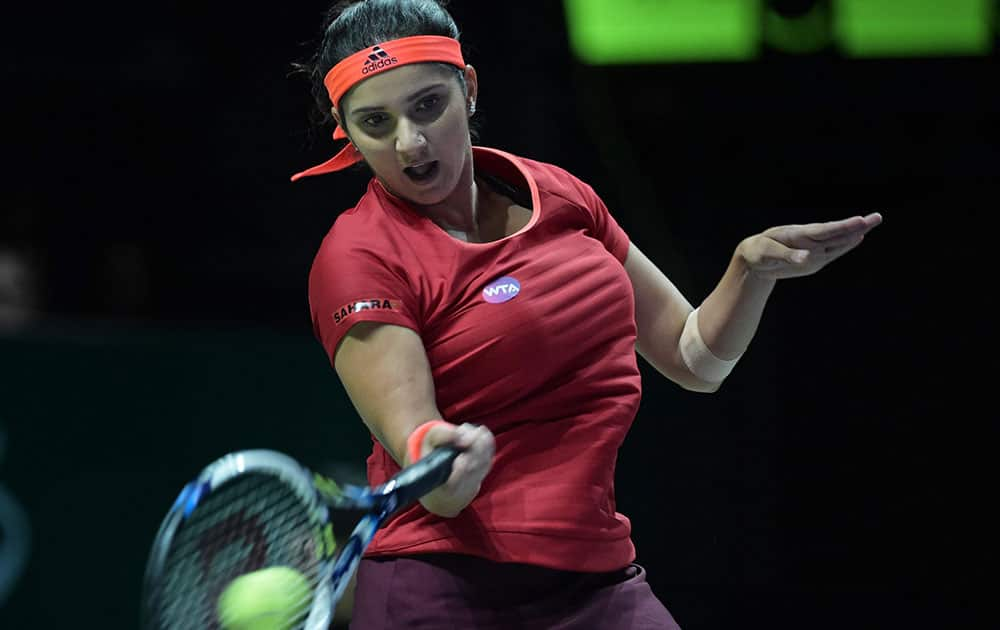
15,537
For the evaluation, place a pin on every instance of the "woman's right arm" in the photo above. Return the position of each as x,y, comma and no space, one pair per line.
385,371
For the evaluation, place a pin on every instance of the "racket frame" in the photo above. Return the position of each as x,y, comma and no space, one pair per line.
316,493
216,475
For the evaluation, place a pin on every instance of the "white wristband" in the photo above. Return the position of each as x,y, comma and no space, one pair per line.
698,358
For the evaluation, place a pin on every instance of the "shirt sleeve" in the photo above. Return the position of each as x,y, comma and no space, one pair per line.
350,282
605,228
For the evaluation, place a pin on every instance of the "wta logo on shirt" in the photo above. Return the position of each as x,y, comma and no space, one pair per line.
377,60
502,290
382,304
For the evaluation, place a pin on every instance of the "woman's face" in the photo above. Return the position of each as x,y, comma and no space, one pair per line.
412,126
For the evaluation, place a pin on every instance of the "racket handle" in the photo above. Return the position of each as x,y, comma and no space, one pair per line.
419,478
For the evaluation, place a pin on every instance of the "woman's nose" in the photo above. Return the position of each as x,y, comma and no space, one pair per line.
410,139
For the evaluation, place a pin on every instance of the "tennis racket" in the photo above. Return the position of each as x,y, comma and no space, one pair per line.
256,509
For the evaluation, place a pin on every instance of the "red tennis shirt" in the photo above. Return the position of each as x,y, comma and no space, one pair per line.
532,336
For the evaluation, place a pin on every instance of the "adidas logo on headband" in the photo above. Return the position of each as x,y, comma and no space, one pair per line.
377,60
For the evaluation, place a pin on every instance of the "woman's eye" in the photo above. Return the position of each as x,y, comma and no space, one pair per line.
374,120
428,103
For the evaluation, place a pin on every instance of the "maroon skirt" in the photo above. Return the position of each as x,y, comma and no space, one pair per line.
448,591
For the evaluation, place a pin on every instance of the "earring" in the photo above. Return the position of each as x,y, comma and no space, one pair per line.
472,107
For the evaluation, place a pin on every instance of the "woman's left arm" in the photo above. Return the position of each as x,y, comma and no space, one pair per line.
696,349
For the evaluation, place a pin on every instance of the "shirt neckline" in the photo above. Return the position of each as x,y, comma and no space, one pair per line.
480,154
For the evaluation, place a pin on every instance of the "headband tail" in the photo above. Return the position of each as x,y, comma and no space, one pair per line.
348,156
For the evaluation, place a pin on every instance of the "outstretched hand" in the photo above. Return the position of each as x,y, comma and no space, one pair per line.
790,251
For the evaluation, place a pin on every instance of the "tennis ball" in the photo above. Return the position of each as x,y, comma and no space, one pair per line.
274,598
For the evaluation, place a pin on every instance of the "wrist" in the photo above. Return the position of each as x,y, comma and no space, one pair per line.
745,270
415,441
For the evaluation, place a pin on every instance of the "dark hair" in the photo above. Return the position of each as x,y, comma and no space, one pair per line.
353,25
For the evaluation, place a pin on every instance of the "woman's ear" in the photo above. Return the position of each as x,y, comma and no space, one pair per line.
340,125
472,88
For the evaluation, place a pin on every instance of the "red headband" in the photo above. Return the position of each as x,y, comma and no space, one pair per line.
369,62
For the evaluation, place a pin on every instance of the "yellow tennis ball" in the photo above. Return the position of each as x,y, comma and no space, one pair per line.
275,598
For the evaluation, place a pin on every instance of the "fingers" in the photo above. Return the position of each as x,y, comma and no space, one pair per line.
467,435
844,228
770,252
824,252
462,436
790,251
830,245
476,443
474,438
472,465
821,238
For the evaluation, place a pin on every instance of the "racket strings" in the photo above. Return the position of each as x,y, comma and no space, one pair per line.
253,522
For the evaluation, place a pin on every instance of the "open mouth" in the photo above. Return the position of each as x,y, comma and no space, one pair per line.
422,172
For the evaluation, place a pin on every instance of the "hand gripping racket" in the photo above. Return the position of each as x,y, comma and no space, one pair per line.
256,509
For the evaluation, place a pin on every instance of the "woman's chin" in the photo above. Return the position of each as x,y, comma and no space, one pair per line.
422,193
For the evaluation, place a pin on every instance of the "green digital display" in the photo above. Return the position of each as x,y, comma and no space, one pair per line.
891,28
800,35
647,31
606,32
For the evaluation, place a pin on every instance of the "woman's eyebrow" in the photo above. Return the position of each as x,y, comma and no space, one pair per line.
409,99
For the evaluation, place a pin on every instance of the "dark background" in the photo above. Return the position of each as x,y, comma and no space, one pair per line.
836,479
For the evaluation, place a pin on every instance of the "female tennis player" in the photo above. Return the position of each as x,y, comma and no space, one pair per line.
490,301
